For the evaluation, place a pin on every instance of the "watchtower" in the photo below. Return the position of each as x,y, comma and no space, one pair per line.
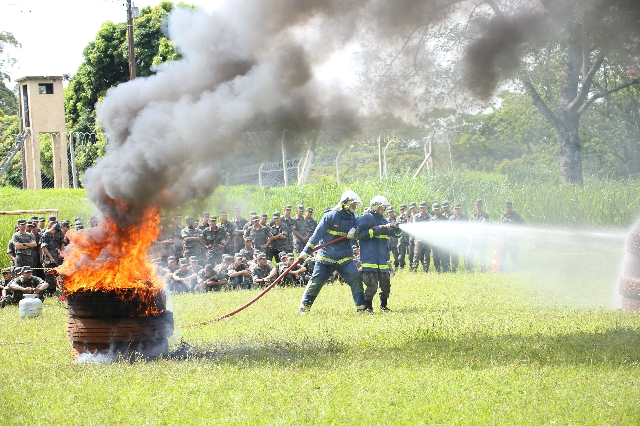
42,111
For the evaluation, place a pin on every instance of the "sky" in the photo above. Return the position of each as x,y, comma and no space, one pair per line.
53,33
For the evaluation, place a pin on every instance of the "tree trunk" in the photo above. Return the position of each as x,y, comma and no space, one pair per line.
570,156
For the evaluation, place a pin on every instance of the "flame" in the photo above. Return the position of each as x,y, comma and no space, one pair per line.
111,258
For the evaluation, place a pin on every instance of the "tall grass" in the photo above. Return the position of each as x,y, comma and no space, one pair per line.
539,196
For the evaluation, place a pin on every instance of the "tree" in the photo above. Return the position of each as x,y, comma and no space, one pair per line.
8,99
105,63
567,55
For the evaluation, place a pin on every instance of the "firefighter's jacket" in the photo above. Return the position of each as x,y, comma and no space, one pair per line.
374,242
334,224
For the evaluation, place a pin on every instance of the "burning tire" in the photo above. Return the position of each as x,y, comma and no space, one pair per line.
105,330
89,304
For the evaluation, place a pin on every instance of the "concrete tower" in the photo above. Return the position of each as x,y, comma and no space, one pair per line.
42,111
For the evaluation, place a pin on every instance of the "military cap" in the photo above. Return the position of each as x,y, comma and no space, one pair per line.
390,209
254,218
403,207
276,214
435,206
236,208
290,255
227,258
309,209
223,213
17,270
237,256
263,215
188,219
206,214
262,256
79,226
253,213
478,201
508,203
34,218
282,254
300,207
6,271
25,269
287,207
65,223
423,204
91,219
214,218
30,223
411,205
248,239
193,259
446,203
22,222
171,259
457,206
57,227
41,219
53,218
183,261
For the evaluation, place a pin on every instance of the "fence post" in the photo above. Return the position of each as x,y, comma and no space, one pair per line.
260,174
338,166
379,157
72,152
284,158
386,174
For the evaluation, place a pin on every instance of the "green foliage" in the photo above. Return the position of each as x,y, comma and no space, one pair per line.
9,128
6,62
460,349
105,63
8,100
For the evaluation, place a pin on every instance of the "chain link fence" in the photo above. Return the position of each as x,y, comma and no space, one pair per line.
273,158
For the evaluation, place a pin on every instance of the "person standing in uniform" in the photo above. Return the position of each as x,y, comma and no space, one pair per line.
288,220
339,222
25,245
459,237
193,244
478,240
215,240
311,222
239,224
440,255
422,250
279,238
259,234
51,247
230,248
510,244
393,240
176,228
413,208
299,230
373,232
403,241
204,221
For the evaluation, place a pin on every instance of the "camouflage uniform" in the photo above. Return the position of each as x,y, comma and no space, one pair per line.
299,224
403,243
239,281
260,236
440,255
214,238
459,243
258,272
32,282
209,282
422,250
276,246
192,248
24,257
53,244
231,247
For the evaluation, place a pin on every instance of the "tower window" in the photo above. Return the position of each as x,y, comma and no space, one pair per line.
45,88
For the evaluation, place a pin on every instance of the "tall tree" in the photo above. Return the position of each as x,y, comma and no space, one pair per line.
567,55
105,62
8,100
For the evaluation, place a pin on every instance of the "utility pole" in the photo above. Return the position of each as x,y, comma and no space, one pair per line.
132,54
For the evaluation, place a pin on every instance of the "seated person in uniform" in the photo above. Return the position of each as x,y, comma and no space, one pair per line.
295,275
239,273
27,283
184,278
6,296
194,264
208,280
263,272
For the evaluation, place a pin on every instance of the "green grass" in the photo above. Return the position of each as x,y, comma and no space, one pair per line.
460,349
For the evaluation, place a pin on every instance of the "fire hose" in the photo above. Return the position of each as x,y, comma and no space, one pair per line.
266,290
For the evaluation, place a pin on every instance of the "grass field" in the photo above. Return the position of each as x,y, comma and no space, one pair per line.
459,349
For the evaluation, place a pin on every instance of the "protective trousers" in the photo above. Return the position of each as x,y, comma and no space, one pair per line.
422,254
371,281
402,253
322,272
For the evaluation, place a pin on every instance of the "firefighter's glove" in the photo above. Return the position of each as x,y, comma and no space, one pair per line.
303,255
352,233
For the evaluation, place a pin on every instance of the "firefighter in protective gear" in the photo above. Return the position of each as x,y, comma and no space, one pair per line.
373,232
340,221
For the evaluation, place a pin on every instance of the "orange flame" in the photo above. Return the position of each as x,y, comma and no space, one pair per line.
108,258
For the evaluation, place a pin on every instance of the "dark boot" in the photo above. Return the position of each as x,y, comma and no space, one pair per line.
368,307
383,306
